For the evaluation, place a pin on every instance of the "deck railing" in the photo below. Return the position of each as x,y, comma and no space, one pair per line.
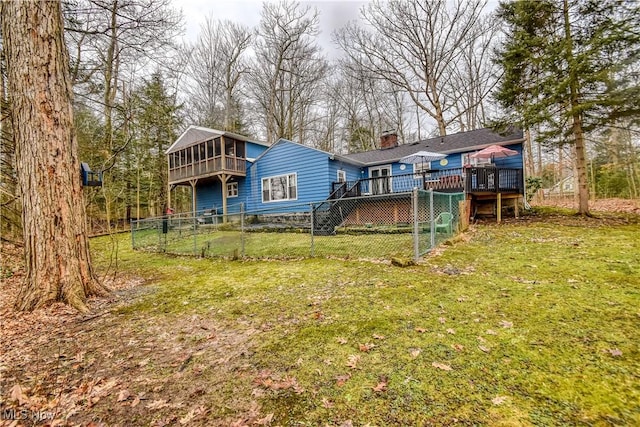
471,180
235,165
493,180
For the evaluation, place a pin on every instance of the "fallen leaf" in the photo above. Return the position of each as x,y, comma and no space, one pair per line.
123,395
457,347
157,404
18,395
505,324
136,402
442,320
491,332
421,330
615,352
381,386
451,331
482,340
441,366
353,360
498,400
378,337
326,403
415,352
347,423
264,421
484,349
342,340
365,348
341,379
144,362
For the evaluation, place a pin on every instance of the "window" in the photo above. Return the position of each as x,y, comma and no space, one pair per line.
209,149
278,188
232,189
420,168
342,176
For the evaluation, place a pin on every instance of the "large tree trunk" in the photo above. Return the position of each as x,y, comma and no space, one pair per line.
580,162
54,228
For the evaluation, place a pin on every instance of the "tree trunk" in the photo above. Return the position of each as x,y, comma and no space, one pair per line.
580,161
55,233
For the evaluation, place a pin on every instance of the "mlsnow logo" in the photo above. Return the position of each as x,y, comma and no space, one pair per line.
13,414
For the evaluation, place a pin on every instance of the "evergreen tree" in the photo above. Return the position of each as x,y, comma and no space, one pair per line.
568,68
154,125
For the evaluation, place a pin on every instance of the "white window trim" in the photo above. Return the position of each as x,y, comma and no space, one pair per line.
380,167
341,175
229,185
287,175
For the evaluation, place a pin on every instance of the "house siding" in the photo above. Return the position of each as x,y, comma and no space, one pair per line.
285,157
253,150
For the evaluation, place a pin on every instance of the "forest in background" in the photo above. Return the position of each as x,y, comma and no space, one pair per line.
422,68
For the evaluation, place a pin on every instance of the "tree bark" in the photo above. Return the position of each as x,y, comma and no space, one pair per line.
578,133
56,250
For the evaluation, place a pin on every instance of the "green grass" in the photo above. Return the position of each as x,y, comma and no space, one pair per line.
211,243
530,317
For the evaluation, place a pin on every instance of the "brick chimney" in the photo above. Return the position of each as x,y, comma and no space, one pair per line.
388,139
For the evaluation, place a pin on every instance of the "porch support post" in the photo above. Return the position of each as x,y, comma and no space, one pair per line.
193,183
499,207
223,180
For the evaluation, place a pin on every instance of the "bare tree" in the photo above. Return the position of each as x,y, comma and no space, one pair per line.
474,75
216,65
114,43
414,45
288,69
57,255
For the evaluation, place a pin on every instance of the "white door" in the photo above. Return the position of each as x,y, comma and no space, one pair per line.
381,179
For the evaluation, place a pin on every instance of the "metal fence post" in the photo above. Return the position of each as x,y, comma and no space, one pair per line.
195,235
416,229
432,219
242,229
311,216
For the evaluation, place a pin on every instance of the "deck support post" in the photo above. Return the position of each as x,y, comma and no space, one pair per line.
223,180
499,207
193,183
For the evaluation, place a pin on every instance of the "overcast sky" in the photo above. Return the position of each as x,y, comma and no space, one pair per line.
333,15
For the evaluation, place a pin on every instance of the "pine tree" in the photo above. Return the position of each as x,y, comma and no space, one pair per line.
567,67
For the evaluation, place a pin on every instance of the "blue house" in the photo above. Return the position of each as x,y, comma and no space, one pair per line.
226,170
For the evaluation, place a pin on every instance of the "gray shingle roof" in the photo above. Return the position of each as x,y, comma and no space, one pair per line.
454,143
196,134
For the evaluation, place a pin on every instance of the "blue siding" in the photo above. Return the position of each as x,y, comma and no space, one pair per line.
285,157
253,150
354,173
209,196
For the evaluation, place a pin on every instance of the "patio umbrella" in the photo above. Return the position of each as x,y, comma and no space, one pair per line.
421,157
494,151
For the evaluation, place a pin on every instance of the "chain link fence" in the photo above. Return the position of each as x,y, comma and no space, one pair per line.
405,225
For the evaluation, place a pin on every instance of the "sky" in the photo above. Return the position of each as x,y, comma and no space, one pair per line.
333,15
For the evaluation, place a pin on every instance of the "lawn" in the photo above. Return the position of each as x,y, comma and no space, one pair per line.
533,322
347,243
